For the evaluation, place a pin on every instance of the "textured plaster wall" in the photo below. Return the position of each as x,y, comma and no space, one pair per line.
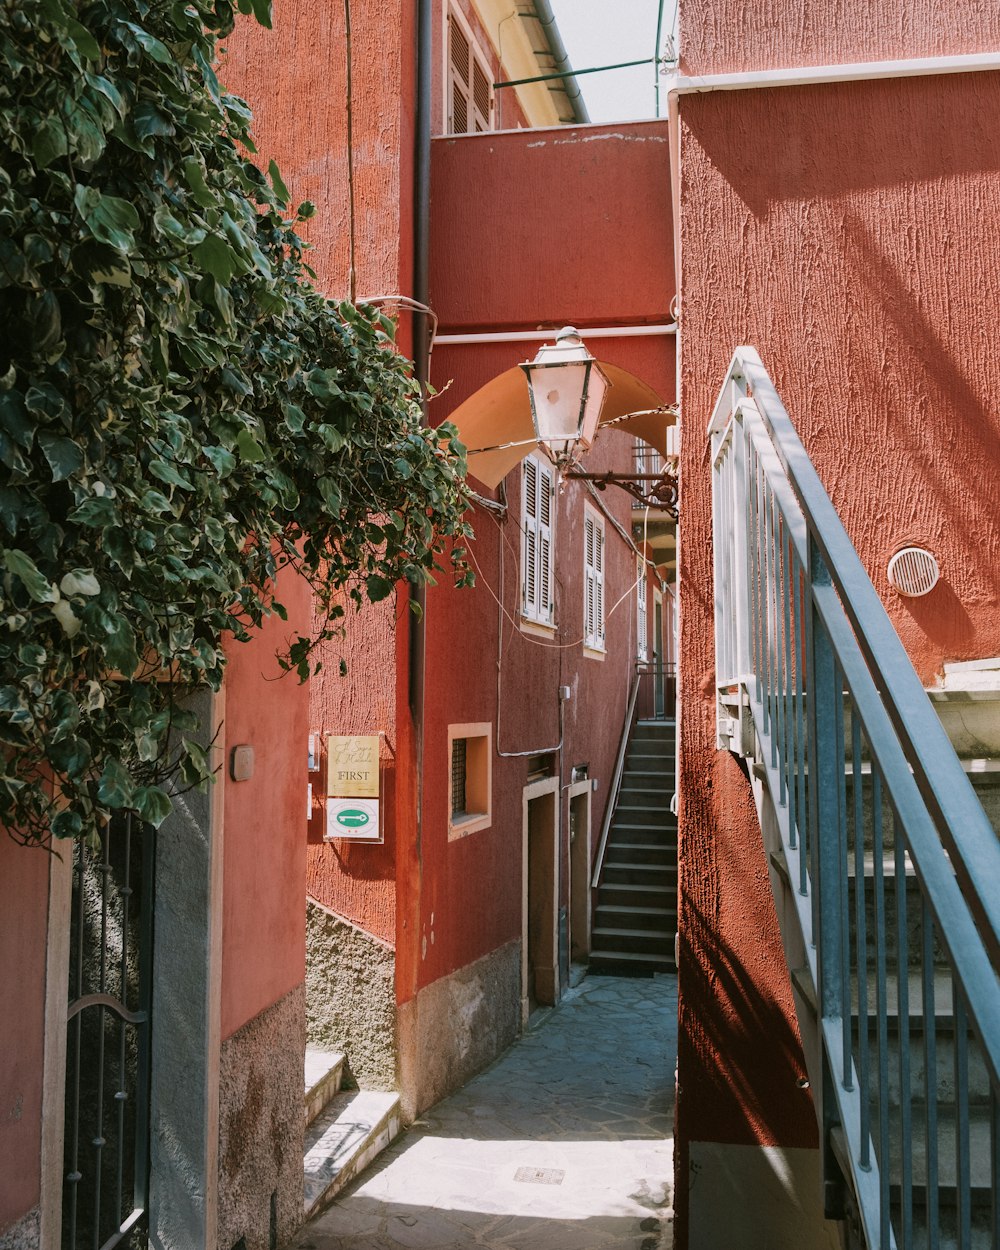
848,233
726,36
263,942
356,879
456,1026
350,996
536,263
295,79
261,1127
23,929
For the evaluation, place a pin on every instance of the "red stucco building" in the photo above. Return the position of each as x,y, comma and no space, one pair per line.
823,191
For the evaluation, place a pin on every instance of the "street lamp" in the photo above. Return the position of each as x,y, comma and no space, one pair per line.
567,388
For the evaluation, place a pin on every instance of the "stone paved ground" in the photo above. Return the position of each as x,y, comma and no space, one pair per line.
566,1143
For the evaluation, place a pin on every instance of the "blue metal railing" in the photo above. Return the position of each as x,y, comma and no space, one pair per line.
885,850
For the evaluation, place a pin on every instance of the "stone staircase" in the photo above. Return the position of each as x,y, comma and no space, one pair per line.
635,916
345,1129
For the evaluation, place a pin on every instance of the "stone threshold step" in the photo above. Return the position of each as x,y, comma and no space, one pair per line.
341,1143
324,1070
636,959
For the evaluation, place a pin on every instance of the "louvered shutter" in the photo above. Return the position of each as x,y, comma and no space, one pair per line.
545,491
470,85
529,560
641,613
593,582
599,581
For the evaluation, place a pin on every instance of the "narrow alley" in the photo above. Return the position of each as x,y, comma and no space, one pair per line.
565,1143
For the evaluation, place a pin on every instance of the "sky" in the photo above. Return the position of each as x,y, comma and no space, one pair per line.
605,32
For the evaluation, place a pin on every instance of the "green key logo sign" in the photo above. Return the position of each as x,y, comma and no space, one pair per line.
352,818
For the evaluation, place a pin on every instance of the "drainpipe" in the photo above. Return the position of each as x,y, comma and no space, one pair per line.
547,21
421,253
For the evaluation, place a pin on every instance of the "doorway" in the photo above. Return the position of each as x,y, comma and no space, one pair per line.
540,900
579,871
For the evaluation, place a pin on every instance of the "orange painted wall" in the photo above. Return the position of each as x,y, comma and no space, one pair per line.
263,935
727,36
847,232
23,935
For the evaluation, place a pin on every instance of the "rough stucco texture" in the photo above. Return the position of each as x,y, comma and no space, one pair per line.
848,233
295,79
350,997
261,1128
726,36
457,1025
356,879
25,874
25,1234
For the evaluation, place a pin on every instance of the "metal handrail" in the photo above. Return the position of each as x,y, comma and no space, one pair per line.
815,684
616,782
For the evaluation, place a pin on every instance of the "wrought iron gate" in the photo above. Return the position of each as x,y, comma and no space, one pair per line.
107,1058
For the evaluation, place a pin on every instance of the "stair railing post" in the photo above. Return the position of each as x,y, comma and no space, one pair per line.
826,756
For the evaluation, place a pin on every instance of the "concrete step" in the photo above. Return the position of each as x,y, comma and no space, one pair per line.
658,814
324,1070
652,786
625,917
342,1141
613,894
657,835
653,941
630,964
624,872
621,850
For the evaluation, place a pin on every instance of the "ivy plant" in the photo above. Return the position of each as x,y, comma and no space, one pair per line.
182,413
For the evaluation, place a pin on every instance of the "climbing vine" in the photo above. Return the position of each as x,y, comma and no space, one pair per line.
181,413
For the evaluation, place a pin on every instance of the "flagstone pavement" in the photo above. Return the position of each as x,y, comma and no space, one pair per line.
565,1143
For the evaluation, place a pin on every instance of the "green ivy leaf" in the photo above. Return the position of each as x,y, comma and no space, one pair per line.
152,804
116,788
65,457
35,583
109,218
214,255
377,588
80,582
157,50
280,190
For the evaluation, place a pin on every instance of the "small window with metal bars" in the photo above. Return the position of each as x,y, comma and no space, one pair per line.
470,83
470,782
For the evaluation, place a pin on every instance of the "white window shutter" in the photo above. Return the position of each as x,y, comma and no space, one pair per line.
593,576
529,562
545,490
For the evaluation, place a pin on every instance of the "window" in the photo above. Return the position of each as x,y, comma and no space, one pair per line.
470,83
641,613
538,490
593,581
470,784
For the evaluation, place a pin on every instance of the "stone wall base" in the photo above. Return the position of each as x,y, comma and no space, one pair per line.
351,996
24,1235
261,1128
458,1025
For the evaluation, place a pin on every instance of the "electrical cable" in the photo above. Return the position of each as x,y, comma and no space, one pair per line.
352,276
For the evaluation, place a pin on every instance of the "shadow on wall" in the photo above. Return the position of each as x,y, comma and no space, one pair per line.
742,1013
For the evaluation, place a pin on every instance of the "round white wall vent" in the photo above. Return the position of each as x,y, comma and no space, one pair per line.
913,572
